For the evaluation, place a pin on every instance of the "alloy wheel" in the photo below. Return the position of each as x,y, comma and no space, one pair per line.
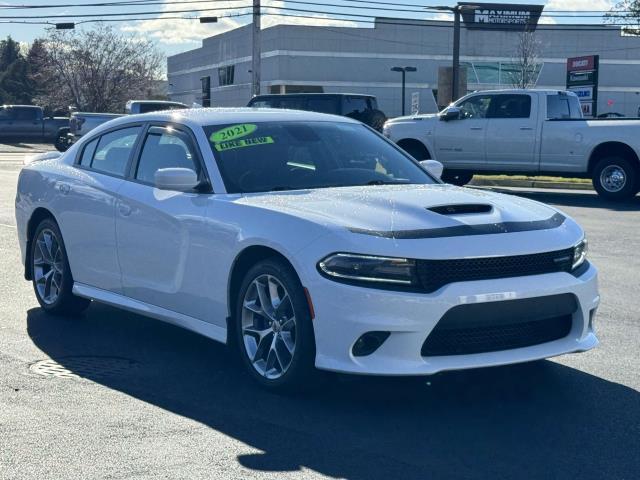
48,266
268,326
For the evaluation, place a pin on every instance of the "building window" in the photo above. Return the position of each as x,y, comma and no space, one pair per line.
500,73
225,75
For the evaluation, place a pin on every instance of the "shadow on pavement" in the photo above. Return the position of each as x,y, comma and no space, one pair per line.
575,199
539,420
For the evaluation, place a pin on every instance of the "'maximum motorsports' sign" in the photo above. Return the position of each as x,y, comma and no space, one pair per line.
500,16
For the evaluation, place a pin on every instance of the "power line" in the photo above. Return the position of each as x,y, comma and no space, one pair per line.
89,15
369,3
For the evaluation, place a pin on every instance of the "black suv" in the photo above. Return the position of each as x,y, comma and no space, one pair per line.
360,107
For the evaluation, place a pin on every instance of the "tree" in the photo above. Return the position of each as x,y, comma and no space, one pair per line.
9,53
13,74
97,70
626,12
526,61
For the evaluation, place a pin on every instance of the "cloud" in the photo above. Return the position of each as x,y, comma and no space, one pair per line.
577,5
175,31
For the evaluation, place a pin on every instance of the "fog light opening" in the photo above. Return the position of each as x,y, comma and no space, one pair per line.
369,343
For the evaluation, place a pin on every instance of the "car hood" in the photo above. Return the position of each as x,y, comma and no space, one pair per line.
390,210
412,118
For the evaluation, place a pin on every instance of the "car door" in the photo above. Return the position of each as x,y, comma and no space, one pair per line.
460,143
27,122
6,122
87,207
512,133
162,242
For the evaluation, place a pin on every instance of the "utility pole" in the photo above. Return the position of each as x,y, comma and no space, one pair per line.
256,50
455,70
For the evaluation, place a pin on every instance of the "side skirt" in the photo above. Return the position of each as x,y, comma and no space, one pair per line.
190,323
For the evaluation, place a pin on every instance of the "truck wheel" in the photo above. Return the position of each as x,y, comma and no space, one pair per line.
456,178
61,142
615,178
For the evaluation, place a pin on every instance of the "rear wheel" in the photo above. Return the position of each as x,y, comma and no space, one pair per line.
273,327
52,280
455,177
616,178
61,142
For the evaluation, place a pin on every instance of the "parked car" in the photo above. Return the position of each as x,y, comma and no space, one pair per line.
27,123
83,122
360,107
525,132
305,241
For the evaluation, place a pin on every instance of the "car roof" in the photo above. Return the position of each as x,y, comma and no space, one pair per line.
219,116
277,95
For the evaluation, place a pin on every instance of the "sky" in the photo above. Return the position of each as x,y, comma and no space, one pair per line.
174,35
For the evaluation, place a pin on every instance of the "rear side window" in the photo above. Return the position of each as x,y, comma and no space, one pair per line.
563,107
88,152
165,148
323,105
113,151
510,106
354,106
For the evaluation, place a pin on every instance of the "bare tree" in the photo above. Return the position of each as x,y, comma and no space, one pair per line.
627,13
526,61
98,70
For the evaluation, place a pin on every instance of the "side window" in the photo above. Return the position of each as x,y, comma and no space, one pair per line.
323,105
475,107
354,106
26,114
6,113
87,153
261,104
113,151
563,106
292,103
510,106
165,148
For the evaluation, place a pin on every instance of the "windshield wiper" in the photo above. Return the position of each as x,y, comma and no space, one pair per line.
387,182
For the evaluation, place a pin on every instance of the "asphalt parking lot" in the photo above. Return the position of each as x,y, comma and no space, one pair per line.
141,399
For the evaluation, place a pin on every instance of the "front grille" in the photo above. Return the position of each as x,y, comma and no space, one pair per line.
495,326
434,274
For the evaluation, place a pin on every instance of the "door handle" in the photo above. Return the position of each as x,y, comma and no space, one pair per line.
475,128
64,188
124,209
526,128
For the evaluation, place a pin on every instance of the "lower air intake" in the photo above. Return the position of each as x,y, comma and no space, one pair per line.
496,326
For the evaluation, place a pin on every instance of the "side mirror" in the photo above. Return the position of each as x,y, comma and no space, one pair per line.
180,179
451,113
434,167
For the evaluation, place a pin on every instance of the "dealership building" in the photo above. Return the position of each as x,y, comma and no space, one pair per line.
359,60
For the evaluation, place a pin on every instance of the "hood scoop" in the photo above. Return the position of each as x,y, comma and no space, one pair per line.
461,208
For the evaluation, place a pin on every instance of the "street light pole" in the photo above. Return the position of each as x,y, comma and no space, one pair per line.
404,71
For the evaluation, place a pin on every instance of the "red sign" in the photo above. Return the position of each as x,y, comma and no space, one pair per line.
577,64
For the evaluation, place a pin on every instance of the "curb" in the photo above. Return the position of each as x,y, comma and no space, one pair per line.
531,184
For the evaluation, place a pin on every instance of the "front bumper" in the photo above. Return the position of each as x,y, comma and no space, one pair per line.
344,313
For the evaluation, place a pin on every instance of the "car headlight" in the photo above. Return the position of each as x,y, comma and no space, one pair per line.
580,253
352,267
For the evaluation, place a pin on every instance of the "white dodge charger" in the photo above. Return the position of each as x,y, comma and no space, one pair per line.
308,241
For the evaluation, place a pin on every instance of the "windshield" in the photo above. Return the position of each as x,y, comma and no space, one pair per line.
271,156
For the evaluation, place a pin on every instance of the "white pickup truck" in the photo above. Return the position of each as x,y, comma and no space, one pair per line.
530,132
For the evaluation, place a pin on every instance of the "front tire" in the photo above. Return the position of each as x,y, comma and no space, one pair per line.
616,178
455,177
52,280
273,328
